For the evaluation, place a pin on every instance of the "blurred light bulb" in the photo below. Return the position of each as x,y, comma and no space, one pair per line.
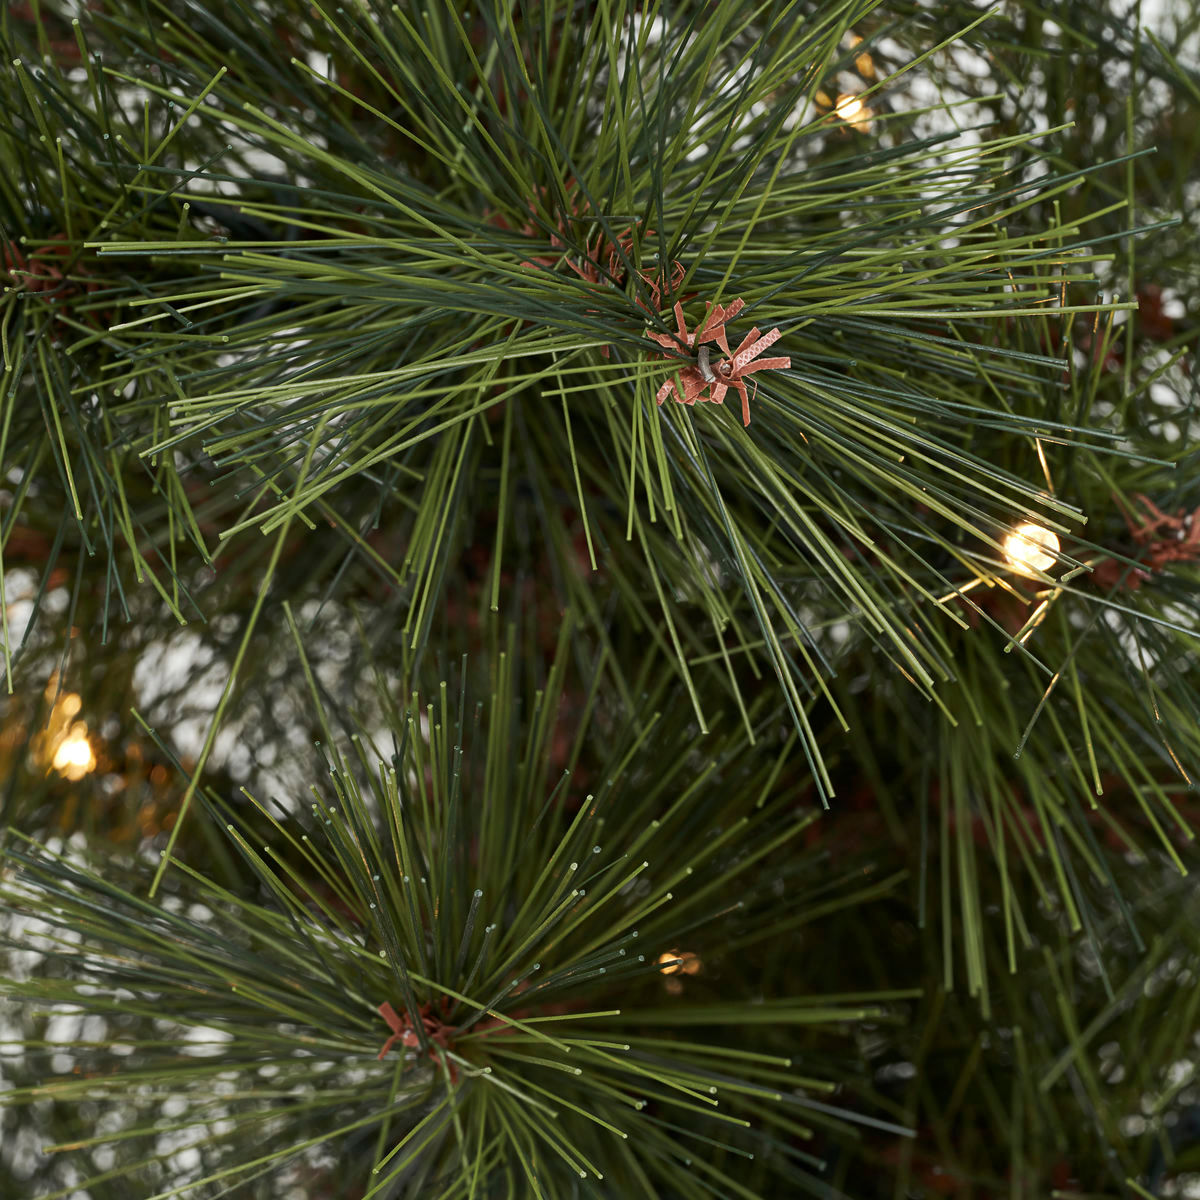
1030,548
675,963
863,63
73,756
853,111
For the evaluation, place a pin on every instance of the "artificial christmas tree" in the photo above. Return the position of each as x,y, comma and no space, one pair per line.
599,600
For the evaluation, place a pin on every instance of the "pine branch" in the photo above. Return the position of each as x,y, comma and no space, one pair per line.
493,293
469,957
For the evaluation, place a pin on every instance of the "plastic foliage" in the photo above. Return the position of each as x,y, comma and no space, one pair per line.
461,976
444,302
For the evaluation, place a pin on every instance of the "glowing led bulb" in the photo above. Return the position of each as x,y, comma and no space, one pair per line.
853,111
675,963
1030,548
74,757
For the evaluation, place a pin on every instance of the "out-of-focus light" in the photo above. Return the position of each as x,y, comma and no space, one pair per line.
73,756
64,745
673,962
854,112
864,64
1030,548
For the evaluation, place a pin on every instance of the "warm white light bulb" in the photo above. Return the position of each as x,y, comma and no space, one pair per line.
1030,548
853,111
669,962
74,757
674,962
